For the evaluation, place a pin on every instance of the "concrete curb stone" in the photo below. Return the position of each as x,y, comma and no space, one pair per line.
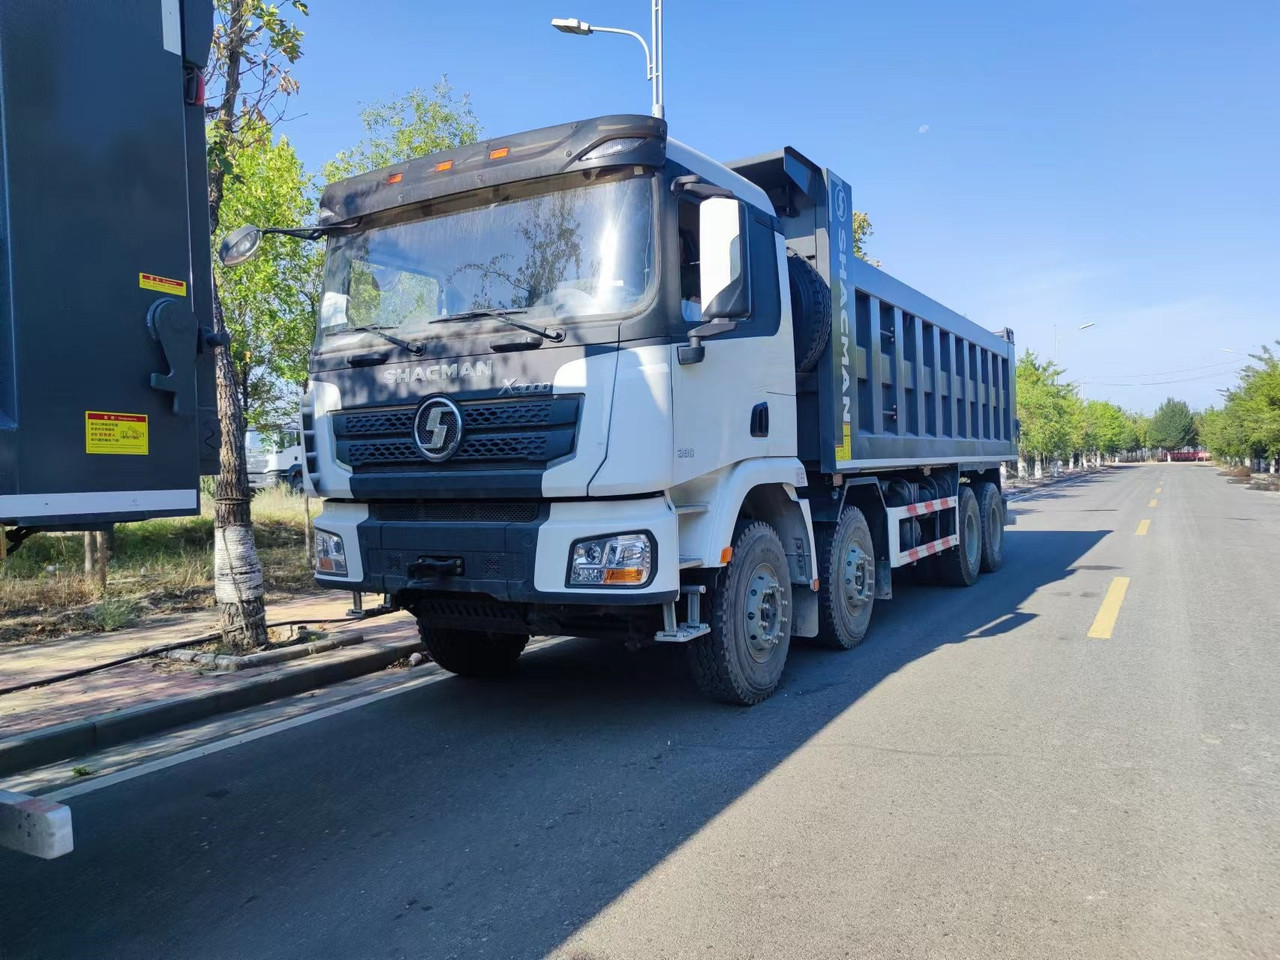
73,738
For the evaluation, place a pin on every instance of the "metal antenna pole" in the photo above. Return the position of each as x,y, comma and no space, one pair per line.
656,27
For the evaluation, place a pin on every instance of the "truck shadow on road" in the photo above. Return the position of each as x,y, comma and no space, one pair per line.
468,818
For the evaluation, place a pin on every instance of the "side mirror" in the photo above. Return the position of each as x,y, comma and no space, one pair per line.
240,245
724,270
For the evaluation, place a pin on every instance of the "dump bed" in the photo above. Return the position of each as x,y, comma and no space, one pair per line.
903,380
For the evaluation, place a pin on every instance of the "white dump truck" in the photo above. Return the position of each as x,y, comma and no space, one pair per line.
587,380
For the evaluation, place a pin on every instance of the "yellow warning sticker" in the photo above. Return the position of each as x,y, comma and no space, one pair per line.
845,450
115,433
149,281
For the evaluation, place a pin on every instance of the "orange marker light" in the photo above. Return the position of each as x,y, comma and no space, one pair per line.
499,153
443,165
726,554
395,178
624,575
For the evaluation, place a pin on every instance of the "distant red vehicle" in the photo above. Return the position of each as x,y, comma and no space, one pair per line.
1190,455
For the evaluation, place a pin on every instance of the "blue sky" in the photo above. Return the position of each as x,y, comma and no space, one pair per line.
1028,164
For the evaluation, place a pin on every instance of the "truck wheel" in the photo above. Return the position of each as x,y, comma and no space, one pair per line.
472,653
810,311
740,661
847,581
295,482
992,511
959,565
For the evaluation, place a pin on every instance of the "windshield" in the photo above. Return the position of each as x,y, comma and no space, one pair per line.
576,250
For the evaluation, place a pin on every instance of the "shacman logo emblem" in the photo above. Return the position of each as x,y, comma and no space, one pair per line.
437,429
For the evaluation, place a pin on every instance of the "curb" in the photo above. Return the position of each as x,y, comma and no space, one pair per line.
223,661
65,740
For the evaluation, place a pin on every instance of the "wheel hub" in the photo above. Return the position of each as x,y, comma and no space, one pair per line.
859,577
762,613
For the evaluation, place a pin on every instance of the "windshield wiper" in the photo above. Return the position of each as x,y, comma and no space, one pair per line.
415,348
505,316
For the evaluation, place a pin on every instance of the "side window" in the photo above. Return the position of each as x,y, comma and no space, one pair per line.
766,305
690,263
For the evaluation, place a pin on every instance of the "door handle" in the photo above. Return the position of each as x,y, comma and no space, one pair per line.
760,420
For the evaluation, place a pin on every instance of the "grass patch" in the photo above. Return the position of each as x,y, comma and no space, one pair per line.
81,771
1236,473
158,566
114,613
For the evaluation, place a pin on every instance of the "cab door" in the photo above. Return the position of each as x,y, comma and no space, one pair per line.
734,392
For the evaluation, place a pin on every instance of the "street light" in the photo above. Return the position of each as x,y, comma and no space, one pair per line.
1056,338
652,60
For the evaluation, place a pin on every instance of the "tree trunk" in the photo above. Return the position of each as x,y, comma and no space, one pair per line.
88,554
237,573
1039,466
308,543
103,558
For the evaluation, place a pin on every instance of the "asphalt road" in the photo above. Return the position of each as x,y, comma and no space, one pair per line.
980,779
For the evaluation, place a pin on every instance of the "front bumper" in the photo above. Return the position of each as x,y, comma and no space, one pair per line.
389,550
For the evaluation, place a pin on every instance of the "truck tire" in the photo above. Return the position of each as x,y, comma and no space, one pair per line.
472,653
959,566
846,581
295,482
810,311
992,510
749,611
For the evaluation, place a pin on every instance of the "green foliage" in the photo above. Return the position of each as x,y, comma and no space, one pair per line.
254,45
862,229
1172,426
1044,407
409,126
269,303
114,613
1248,424
1055,422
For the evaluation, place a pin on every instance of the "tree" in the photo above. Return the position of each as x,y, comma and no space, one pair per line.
248,83
862,230
1172,426
1044,411
1248,425
410,126
269,302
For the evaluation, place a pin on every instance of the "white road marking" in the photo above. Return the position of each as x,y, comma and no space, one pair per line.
163,763
1052,486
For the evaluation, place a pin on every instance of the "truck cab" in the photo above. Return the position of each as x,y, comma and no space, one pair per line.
558,386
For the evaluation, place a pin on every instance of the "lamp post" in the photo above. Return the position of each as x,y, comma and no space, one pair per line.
652,58
1056,338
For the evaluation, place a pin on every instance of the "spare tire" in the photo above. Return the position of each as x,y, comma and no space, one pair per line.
810,311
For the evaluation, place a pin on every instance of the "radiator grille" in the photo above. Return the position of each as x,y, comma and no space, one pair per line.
525,432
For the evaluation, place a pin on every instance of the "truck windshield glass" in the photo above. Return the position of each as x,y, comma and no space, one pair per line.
579,251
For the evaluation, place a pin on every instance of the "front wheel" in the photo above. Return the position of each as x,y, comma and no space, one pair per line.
472,653
740,661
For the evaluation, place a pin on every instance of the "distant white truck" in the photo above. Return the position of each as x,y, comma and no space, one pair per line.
274,458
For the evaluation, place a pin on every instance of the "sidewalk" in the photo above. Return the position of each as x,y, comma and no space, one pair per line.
63,719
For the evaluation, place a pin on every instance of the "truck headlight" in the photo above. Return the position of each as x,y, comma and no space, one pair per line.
622,561
330,556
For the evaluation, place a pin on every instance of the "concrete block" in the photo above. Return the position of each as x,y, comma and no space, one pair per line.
32,825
